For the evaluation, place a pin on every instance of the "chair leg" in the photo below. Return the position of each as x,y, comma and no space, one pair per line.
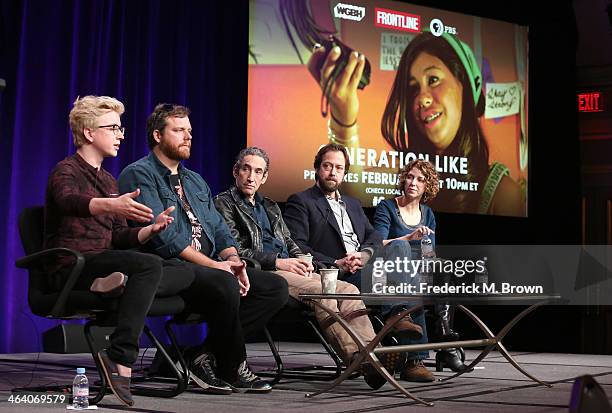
179,353
329,349
181,383
277,358
305,372
101,389
90,343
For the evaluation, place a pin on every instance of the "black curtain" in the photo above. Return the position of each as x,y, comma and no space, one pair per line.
141,52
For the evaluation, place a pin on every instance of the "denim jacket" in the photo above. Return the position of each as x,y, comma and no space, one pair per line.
156,192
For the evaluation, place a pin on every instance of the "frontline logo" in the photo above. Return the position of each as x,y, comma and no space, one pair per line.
349,12
397,20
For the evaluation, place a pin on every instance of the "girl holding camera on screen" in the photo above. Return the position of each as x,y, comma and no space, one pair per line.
433,108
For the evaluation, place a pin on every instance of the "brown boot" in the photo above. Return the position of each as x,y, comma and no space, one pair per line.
408,328
416,371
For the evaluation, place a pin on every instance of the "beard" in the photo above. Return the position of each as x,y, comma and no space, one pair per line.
328,186
176,153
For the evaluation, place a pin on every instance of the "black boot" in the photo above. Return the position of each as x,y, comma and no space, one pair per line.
452,357
443,316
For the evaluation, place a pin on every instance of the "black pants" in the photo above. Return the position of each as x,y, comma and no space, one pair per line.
268,294
215,295
144,272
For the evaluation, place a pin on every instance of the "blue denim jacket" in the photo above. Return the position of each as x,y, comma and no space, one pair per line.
156,192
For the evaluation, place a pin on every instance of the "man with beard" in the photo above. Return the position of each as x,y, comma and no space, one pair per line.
335,230
202,240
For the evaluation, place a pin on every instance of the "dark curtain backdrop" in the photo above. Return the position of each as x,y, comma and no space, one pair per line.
142,52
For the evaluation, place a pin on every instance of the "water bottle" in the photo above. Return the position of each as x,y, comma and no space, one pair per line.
80,390
427,251
427,254
379,276
481,277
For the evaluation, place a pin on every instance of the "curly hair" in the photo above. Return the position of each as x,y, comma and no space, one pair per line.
432,185
254,151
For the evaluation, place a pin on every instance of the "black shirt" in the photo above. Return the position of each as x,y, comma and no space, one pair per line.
270,242
198,242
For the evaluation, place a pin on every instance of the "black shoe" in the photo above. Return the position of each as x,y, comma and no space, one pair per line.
391,362
248,382
450,358
201,371
119,385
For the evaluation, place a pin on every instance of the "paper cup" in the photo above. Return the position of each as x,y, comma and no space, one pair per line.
329,278
305,257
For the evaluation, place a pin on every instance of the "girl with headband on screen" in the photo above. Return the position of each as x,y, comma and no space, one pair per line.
433,108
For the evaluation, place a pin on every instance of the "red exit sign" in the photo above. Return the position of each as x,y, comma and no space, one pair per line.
590,102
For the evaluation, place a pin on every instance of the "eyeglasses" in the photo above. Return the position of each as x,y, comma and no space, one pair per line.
115,128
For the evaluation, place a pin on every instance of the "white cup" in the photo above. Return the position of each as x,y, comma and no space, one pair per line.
329,278
307,258
304,257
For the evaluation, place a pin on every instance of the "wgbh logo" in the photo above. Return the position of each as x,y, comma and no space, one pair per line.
349,12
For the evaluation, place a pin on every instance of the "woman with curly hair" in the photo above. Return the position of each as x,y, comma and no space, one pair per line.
406,218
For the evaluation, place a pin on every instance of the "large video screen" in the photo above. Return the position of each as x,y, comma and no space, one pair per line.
392,82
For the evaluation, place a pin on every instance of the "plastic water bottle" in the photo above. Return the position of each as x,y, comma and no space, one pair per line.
379,276
427,253
482,277
80,390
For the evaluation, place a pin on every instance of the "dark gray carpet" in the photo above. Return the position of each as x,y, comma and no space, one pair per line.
494,387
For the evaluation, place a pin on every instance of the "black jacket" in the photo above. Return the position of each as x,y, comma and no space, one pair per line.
315,229
247,232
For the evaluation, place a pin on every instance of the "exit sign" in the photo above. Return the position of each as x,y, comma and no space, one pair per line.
590,102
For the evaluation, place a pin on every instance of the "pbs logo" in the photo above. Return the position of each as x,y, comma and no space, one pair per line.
437,27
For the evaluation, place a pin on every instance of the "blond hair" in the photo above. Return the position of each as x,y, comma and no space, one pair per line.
86,110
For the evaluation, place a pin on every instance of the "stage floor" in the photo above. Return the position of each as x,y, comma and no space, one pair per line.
494,387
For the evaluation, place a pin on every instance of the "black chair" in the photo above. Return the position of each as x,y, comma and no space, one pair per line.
297,313
69,304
